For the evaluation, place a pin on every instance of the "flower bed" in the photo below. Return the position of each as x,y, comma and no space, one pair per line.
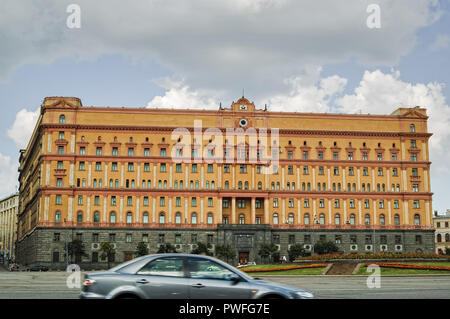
408,266
284,268
380,255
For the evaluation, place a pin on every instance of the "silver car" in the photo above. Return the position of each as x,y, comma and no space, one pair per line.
182,276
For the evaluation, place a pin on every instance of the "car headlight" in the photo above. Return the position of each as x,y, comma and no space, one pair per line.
303,294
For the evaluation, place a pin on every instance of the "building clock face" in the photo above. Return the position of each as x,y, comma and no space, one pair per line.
243,107
243,122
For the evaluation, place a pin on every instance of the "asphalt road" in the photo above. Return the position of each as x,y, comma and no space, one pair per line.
52,285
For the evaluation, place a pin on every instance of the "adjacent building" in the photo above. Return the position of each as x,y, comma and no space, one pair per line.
442,235
8,226
238,175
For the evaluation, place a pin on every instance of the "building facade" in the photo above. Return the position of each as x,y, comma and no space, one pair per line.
442,234
240,175
8,226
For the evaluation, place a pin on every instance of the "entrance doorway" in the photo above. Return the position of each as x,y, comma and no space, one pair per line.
243,257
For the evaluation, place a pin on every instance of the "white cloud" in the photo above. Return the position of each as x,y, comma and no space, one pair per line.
213,43
8,176
23,126
308,93
180,95
442,41
380,93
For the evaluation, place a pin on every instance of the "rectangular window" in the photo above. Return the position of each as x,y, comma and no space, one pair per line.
162,201
364,156
210,168
82,150
178,202
145,201
130,151
306,203
290,170
145,238
414,157
305,155
394,171
161,238
380,171
115,151
97,200
226,168
305,170
60,165
59,182
114,167
129,201
396,204
162,152
146,152
289,155
194,168
321,203
178,168
128,238
365,171
80,199
162,167
241,203
210,202
352,203
336,203
131,167
416,203
350,156
335,156
351,171
320,155
60,150
336,170
275,202
98,166
113,200
98,151
380,156
146,167
194,202
321,170
394,156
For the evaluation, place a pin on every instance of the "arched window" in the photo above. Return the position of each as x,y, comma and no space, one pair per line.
275,219
96,217
367,219
291,218
303,186
111,183
227,185
439,238
447,237
278,185
129,218
337,219
194,218
165,184
397,219
196,184
191,184
240,185
209,219
116,183
162,218
352,219
241,219
322,219
213,185
382,220
159,184
412,128
207,184
145,218
339,187
80,217
309,186
306,219
112,217
246,185
324,186
318,186
416,220
259,185
273,185
57,216
354,187
334,187
178,218
175,185
94,183
288,187
62,119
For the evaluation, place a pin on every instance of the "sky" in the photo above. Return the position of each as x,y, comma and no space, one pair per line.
339,56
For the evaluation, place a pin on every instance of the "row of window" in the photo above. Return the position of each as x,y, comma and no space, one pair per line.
338,239
129,238
241,202
439,238
242,169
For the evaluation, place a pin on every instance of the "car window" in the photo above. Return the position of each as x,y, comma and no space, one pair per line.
207,269
172,267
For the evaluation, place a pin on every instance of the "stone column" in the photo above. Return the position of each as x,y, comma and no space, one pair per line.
233,210
253,213
266,210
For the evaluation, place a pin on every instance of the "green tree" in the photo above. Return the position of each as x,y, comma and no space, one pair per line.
295,251
107,251
76,248
325,247
202,249
166,248
224,252
269,250
141,249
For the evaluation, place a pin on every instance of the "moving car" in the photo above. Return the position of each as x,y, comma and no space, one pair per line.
37,268
182,276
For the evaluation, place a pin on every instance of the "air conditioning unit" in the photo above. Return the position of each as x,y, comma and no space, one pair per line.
212,247
114,246
383,247
398,247
354,247
369,247
317,222
193,246
95,246
307,247
278,247
177,246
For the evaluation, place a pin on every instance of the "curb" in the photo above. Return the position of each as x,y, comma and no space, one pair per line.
357,268
327,269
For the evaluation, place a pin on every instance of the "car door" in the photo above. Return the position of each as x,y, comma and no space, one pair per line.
163,278
210,280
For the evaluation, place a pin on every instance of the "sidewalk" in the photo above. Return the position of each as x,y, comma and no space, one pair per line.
3,267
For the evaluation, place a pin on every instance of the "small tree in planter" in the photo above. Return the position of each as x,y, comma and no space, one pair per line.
76,248
295,251
108,252
325,247
269,250
166,248
224,252
202,249
141,249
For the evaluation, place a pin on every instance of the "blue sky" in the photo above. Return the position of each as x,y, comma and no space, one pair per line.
292,55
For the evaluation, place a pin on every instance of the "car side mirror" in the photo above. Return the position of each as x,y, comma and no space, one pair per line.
235,279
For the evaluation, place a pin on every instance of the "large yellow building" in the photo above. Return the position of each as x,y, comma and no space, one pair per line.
237,175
